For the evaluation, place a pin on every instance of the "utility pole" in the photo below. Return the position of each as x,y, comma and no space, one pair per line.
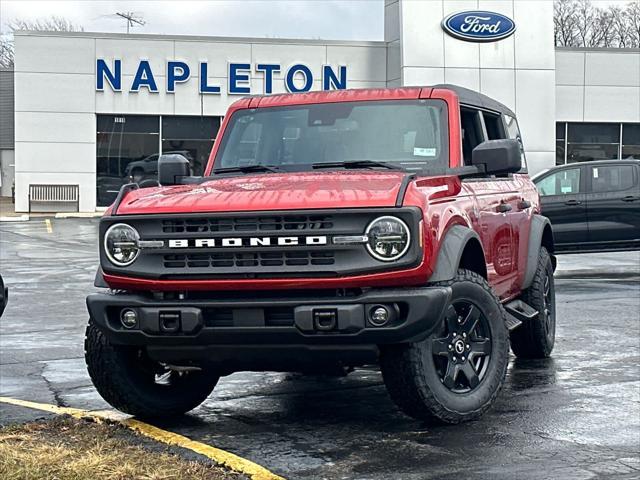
131,19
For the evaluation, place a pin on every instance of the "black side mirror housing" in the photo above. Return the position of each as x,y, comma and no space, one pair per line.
498,157
171,168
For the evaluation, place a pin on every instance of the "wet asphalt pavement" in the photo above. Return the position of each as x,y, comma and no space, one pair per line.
573,416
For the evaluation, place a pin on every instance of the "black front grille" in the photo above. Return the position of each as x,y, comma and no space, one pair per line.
277,223
253,247
253,259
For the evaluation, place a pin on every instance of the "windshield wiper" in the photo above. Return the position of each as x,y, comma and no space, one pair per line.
355,164
248,169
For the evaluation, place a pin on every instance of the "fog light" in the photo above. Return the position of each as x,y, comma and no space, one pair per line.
379,316
128,318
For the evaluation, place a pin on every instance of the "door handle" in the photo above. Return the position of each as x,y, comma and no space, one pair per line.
630,198
572,202
524,204
504,208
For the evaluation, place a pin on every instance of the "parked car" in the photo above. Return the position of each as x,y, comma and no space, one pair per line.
4,296
386,226
148,166
593,206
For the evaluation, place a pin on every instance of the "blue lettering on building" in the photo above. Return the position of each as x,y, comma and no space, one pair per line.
144,78
239,78
204,81
331,81
479,26
291,76
296,78
177,72
268,69
114,78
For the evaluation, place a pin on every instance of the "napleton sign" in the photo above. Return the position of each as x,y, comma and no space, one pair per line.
297,77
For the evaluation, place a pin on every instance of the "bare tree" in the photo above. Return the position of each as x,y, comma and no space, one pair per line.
6,52
51,24
619,27
578,23
632,12
564,20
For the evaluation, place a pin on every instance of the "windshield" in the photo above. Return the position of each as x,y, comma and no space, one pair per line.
408,134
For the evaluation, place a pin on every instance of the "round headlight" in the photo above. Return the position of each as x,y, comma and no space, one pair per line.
121,244
388,238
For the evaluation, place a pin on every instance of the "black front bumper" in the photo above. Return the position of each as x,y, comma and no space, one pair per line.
270,332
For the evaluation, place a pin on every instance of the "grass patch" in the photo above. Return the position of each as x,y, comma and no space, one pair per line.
65,448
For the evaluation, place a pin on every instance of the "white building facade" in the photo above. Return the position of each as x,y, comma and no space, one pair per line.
95,109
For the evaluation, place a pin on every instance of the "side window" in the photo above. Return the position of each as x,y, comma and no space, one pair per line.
513,131
564,182
471,132
493,124
612,178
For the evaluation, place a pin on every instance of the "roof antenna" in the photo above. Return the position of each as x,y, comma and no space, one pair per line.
131,19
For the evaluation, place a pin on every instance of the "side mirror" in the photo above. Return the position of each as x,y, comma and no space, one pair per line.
171,168
498,156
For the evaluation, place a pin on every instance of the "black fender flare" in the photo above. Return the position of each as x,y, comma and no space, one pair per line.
451,248
539,224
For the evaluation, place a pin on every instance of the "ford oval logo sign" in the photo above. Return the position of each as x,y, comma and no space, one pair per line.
478,26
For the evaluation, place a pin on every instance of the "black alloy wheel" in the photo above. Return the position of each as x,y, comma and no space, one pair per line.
463,353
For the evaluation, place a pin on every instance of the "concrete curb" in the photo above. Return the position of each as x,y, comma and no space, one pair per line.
592,273
78,214
21,218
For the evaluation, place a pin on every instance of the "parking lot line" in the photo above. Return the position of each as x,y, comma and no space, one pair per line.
48,224
221,457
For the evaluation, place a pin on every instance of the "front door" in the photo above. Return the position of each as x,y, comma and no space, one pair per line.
563,202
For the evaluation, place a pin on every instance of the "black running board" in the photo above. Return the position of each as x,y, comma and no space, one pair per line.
517,313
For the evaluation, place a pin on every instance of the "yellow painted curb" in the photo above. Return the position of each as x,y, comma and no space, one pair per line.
221,457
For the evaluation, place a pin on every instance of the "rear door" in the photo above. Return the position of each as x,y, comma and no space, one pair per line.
613,203
563,201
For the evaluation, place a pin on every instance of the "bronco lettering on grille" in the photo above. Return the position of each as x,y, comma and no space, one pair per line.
247,242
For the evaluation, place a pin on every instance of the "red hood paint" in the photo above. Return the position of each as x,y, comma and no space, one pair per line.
288,191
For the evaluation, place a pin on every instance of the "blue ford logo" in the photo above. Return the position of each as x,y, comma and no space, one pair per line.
478,26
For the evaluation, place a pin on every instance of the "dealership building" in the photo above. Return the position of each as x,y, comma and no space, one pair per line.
92,110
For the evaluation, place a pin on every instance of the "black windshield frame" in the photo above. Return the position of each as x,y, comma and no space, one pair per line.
439,161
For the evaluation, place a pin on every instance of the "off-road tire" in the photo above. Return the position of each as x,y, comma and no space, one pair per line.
411,378
535,338
117,374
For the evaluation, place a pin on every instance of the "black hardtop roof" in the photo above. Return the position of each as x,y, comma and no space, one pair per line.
475,99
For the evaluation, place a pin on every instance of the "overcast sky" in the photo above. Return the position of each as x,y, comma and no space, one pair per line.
325,19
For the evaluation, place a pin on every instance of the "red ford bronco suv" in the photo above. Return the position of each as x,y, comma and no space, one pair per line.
331,230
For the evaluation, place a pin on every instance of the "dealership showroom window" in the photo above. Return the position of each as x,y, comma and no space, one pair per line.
128,148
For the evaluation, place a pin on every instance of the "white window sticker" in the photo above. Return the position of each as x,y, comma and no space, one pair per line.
595,173
424,152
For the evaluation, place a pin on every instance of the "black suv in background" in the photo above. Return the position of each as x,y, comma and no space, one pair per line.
593,206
